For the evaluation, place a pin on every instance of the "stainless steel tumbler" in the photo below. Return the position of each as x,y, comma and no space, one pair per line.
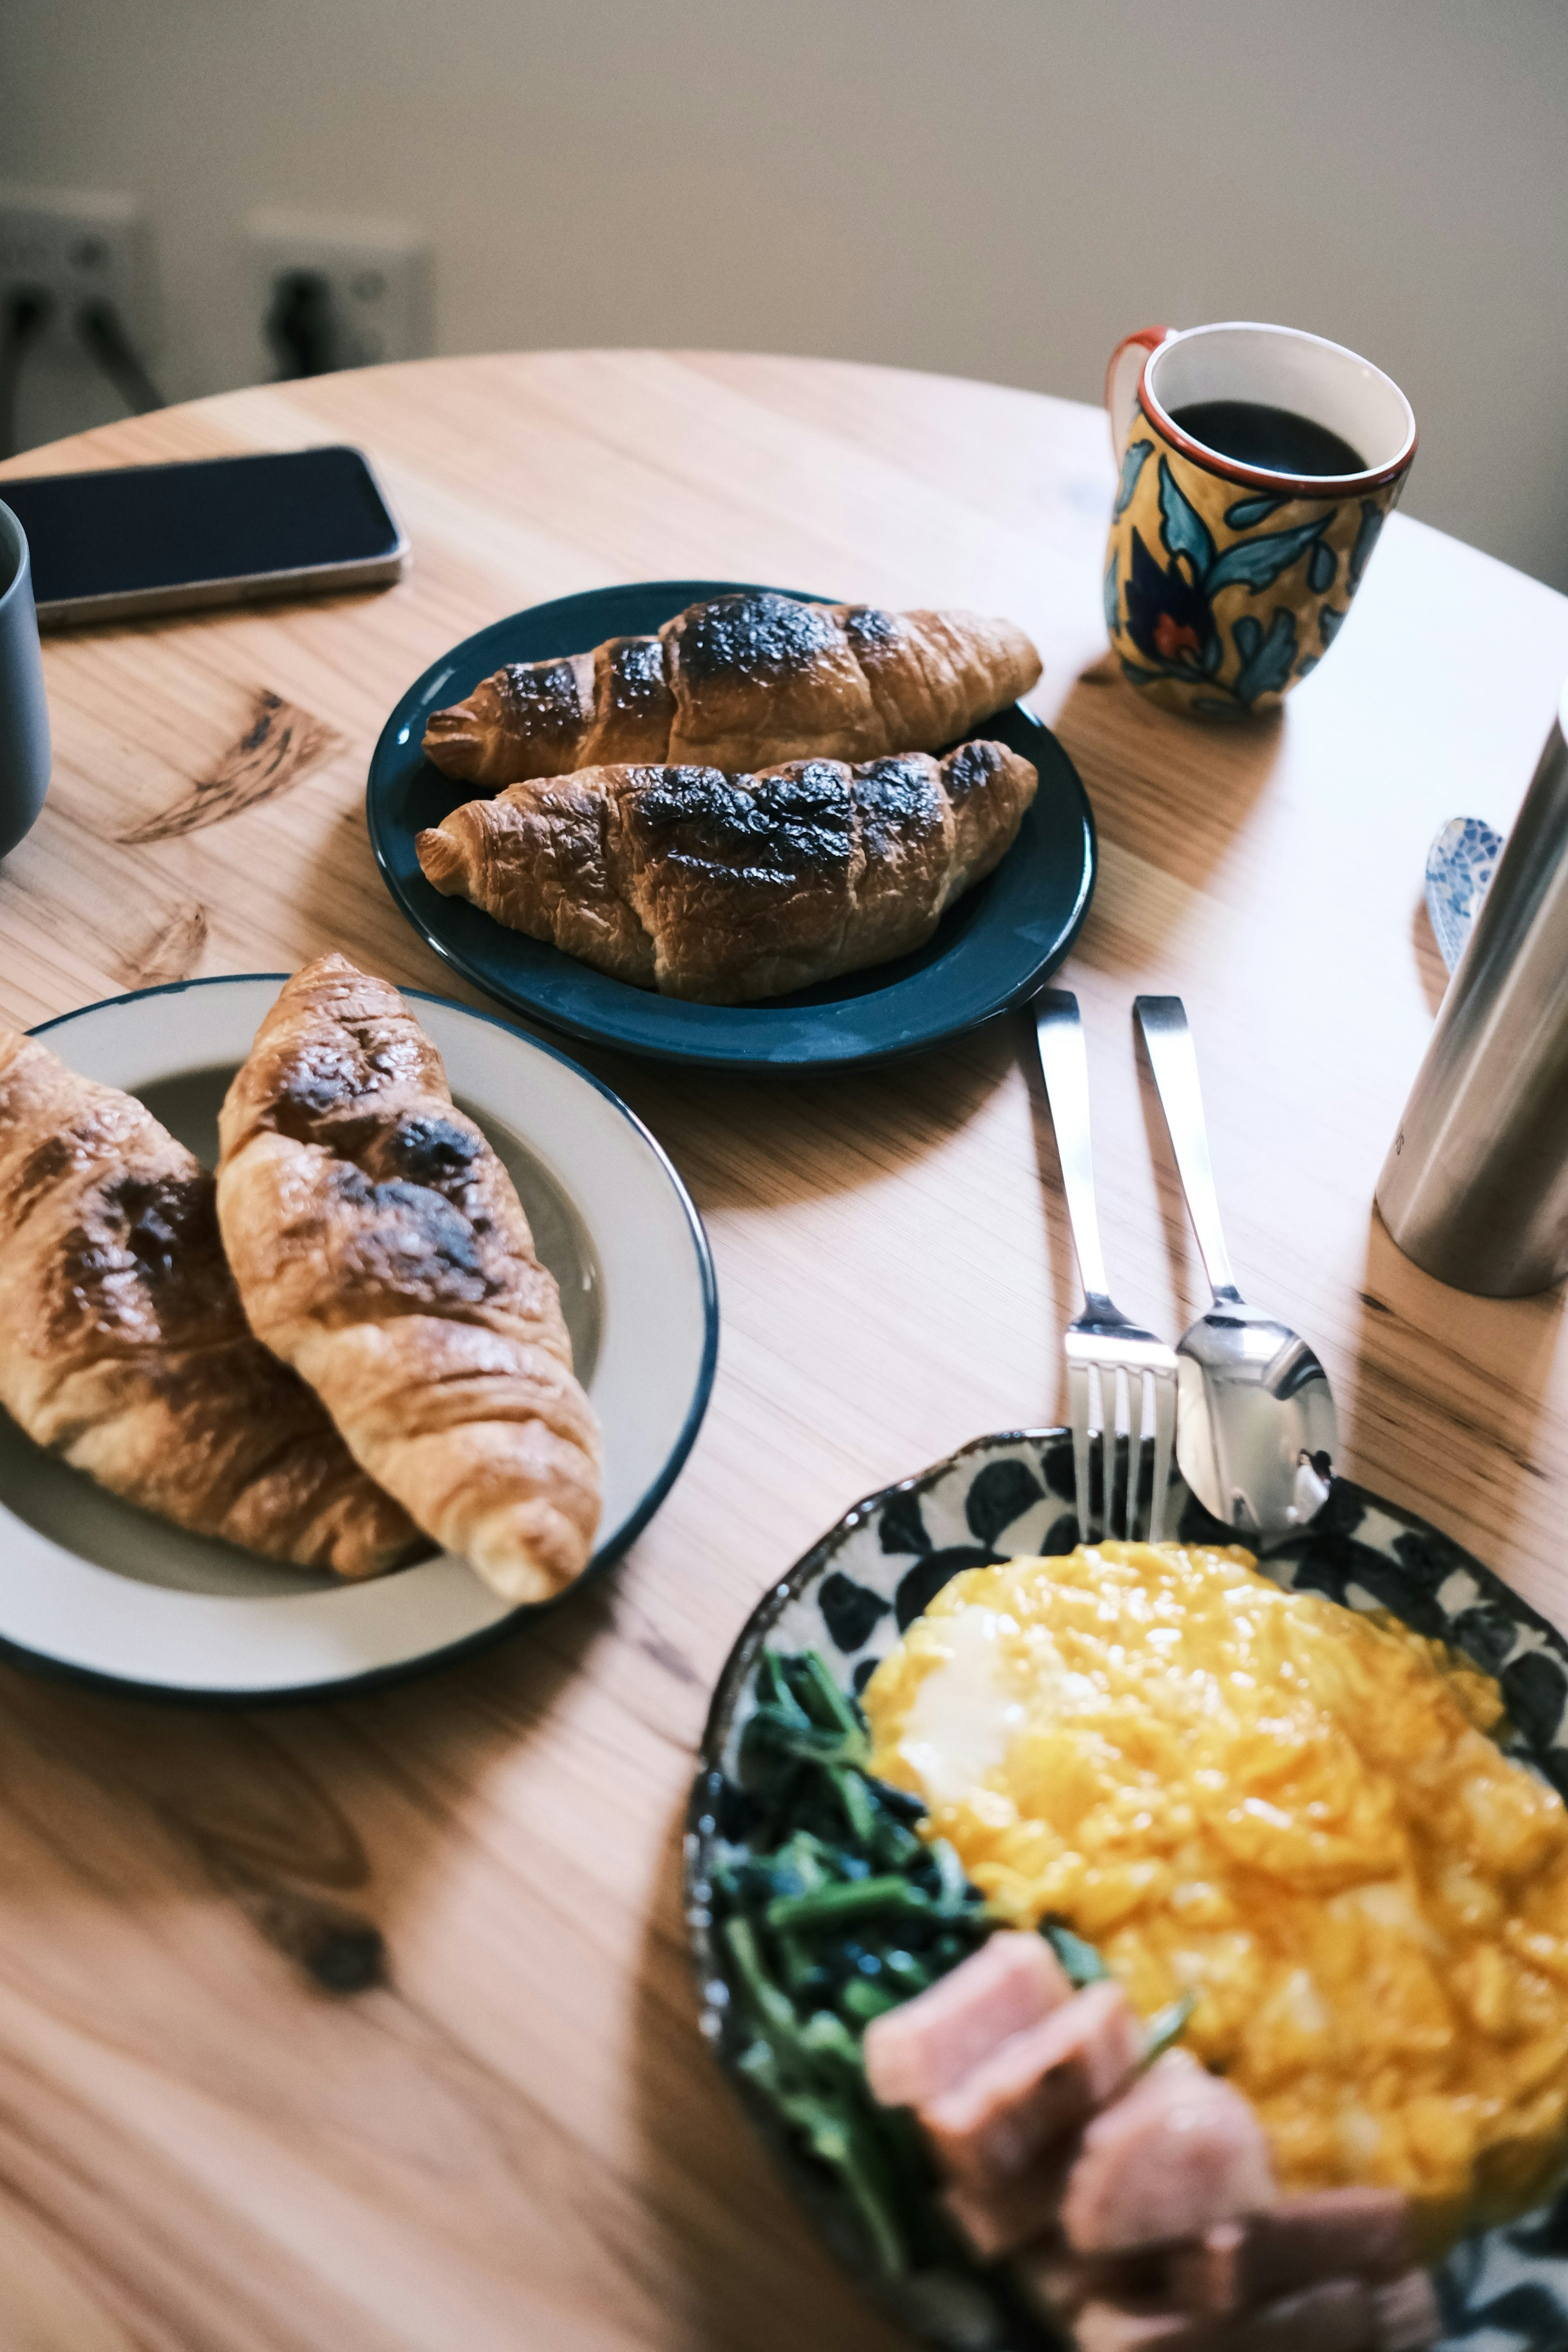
1475,1188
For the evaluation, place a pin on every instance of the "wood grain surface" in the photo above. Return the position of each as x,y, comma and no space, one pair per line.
511,2135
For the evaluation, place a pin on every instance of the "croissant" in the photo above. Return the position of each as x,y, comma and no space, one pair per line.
123,1345
725,888
745,681
380,1249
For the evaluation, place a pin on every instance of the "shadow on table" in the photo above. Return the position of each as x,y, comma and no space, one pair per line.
747,1142
1444,1402
1429,961
1168,790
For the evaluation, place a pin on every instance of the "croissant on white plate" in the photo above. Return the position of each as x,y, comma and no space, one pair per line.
745,681
123,1345
381,1249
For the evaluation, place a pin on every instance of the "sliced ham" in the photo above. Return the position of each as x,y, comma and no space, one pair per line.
1181,2151
1056,2283
1336,2315
1011,2213
1405,2314
1036,2087
1325,2233
1053,2283
915,2052
1121,2327
1130,2297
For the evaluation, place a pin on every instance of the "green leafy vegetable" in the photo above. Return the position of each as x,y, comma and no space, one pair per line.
1081,1964
857,1898
1167,2026
833,1910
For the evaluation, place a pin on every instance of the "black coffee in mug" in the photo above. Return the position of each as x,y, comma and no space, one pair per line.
1275,440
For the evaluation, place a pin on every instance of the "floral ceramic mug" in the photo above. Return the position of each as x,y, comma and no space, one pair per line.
1227,579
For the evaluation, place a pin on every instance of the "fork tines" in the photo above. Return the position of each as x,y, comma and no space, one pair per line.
1121,1380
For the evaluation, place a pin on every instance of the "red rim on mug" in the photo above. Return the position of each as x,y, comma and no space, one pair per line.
1280,366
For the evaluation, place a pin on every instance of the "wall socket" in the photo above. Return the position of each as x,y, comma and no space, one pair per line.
336,293
79,248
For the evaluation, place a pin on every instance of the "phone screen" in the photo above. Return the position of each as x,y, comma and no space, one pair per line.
144,528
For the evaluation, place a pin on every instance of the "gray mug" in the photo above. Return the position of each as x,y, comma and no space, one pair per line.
24,713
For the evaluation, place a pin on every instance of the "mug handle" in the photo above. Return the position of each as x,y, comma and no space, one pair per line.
1122,378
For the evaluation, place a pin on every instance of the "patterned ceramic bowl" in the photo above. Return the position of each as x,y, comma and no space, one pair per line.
851,1596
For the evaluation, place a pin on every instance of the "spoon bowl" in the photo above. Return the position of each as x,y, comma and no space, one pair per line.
1256,1429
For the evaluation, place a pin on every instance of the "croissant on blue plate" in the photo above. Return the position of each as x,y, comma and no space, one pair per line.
742,682
725,888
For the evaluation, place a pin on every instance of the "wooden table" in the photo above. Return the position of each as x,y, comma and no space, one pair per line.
518,2139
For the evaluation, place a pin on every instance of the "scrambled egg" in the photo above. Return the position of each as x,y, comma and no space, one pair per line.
1285,1807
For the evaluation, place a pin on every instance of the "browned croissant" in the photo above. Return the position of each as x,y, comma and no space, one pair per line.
380,1248
725,888
746,681
123,1345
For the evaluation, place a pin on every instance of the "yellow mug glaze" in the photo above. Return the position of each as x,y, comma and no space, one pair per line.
1226,586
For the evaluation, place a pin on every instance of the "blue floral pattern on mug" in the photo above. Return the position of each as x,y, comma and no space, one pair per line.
1220,602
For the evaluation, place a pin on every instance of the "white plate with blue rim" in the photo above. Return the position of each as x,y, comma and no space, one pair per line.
1006,1496
93,1588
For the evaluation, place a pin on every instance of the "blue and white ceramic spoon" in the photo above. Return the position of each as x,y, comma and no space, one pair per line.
1459,865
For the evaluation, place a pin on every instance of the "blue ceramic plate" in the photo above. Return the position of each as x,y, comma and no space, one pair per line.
991,951
850,1598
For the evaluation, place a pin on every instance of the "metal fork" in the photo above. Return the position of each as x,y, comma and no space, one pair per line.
1110,1361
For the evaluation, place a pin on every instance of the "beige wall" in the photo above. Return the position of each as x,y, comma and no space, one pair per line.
990,187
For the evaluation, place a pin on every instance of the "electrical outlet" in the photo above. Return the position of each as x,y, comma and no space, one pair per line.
337,294
77,249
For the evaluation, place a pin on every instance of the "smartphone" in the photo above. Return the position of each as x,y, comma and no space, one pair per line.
136,539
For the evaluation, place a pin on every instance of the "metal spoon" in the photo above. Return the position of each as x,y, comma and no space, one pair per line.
1256,1429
